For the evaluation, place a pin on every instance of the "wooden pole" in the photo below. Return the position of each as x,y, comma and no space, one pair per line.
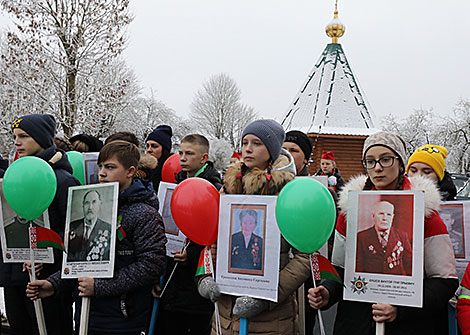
84,316
37,303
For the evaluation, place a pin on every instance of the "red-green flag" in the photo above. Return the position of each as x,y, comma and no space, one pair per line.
204,264
43,238
121,234
323,269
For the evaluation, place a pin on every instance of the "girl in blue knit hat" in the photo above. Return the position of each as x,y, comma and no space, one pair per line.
264,169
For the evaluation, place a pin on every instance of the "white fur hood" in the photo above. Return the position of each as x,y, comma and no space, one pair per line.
432,197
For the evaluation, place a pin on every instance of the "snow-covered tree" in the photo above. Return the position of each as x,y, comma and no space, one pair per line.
454,134
219,153
416,129
61,52
218,112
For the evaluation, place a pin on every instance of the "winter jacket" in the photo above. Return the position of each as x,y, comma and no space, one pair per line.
122,304
339,180
181,294
439,283
12,273
447,187
3,166
463,304
280,317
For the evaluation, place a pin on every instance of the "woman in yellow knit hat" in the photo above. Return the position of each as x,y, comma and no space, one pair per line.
429,161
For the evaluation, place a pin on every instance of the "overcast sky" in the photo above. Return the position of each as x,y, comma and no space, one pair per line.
405,54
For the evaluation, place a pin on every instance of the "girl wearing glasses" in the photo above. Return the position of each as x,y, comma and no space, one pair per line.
429,161
384,158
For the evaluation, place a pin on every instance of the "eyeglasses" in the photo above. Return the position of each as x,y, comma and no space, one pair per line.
430,150
384,162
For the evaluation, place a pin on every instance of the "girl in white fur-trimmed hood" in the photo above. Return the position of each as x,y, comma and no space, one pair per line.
384,159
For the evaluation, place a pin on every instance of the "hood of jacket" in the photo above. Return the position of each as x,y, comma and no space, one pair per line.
140,191
283,171
57,158
432,198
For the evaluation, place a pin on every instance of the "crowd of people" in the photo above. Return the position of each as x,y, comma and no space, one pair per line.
269,159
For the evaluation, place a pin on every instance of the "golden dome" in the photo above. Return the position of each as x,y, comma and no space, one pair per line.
335,29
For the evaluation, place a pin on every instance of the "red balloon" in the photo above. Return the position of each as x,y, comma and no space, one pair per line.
195,209
171,168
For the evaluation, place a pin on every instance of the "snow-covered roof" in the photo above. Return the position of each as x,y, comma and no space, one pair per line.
338,130
330,97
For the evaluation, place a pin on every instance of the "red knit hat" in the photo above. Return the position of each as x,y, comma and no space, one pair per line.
236,155
330,155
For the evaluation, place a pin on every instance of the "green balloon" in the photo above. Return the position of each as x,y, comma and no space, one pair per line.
305,214
29,186
76,160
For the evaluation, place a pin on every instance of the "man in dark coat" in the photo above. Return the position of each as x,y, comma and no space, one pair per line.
246,246
383,248
89,237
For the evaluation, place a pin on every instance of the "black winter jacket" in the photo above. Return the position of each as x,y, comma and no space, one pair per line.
181,295
12,274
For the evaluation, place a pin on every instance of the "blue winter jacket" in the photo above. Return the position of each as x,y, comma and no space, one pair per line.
122,304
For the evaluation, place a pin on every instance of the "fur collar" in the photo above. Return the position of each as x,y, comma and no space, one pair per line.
253,181
432,197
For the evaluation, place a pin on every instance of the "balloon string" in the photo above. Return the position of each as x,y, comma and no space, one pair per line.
173,271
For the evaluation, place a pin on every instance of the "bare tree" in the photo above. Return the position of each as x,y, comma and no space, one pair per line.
59,49
218,112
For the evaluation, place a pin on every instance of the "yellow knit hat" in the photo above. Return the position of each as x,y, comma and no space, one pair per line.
432,155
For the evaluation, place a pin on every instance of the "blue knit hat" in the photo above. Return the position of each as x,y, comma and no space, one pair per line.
162,134
270,132
41,127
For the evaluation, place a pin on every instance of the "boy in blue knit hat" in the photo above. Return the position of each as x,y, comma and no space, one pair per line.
34,136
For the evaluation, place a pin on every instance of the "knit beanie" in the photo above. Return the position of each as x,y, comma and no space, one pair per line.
270,132
302,140
387,139
432,155
162,134
41,127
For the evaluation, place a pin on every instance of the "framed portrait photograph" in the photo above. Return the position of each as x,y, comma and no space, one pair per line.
384,247
452,215
456,216
90,231
14,235
90,164
248,246
175,238
248,229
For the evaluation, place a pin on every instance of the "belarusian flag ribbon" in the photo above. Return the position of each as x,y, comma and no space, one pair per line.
323,269
204,264
43,238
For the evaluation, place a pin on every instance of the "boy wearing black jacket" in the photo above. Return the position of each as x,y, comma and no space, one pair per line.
183,310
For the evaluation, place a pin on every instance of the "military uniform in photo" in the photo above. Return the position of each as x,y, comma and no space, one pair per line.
390,254
249,257
90,245
17,232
